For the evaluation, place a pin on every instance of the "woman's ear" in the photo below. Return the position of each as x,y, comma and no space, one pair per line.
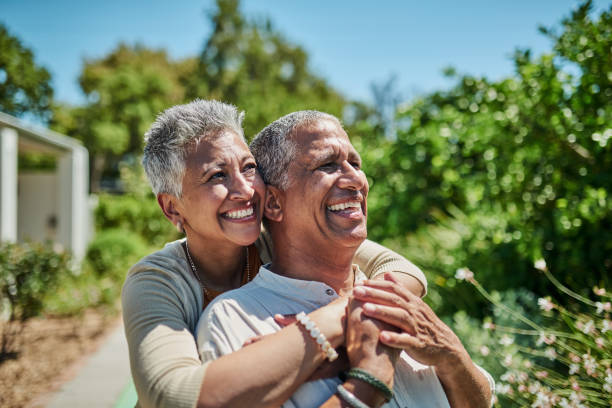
273,204
168,204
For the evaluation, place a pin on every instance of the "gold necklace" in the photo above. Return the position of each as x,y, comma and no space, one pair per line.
197,275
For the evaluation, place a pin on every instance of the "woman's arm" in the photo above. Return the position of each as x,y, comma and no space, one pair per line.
267,372
375,260
164,360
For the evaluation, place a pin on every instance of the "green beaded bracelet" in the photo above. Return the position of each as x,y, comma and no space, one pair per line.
368,378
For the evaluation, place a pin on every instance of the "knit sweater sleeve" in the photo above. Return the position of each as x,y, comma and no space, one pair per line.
160,311
372,258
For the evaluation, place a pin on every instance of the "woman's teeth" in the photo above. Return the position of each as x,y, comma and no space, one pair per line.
239,213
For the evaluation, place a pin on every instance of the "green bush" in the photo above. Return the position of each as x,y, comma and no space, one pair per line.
113,251
140,215
28,271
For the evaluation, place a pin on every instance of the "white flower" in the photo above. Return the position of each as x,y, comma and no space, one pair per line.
550,353
507,360
608,385
590,365
573,369
484,350
542,401
600,342
543,338
588,327
601,307
606,326
599,291
545,304
502,388
464,274
506,340
540,264
488,326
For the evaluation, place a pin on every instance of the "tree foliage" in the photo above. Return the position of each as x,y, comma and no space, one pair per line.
492,175
253,66
125,91
24,86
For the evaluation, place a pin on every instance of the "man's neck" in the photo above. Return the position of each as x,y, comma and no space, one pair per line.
333,267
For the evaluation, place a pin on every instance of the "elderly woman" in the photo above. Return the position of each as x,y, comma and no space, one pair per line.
207,185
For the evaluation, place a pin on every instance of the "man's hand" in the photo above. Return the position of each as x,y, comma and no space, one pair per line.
365,351
425,338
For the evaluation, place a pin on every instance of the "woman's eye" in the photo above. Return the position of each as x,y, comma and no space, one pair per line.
250,168
217,176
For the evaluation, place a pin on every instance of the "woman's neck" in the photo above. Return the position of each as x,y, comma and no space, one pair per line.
219,267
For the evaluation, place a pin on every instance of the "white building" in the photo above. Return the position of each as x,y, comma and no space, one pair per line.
41,206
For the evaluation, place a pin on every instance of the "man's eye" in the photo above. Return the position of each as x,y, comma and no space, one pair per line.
327,166
356,165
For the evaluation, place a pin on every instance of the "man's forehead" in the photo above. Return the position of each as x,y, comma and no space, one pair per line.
321,135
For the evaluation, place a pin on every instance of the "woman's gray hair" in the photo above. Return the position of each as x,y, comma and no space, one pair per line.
177,129
274,149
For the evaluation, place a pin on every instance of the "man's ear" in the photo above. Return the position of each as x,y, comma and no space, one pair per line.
273,209
168,204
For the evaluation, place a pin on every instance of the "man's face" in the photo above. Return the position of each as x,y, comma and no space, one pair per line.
325,203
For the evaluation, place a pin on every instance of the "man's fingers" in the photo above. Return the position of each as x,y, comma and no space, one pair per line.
400,340
395,316
284,320
379,296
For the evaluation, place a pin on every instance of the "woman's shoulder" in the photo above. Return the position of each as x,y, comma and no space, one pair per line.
167,266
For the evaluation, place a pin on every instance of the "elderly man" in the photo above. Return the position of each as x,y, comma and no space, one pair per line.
316,212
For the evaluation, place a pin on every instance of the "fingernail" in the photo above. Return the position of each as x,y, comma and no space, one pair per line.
359,291
385,336
369,307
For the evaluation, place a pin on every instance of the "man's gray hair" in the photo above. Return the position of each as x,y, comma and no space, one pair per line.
274,149
174,132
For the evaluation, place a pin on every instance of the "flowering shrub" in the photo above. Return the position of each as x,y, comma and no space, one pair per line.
562,360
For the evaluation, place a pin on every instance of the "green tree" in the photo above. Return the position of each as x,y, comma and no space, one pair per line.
24,86
125,91
491,175
253,66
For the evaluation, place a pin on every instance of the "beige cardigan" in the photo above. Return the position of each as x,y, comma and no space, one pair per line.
162,302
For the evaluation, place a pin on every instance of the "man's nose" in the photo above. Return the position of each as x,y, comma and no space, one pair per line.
352,178
241,188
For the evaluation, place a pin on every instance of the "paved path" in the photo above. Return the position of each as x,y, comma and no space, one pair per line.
103,382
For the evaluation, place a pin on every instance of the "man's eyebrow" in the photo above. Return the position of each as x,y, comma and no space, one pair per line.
328,155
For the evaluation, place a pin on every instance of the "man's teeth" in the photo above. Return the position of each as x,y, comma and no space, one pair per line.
240,213
343,206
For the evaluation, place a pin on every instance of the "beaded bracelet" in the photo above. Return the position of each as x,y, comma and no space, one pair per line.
316,334
368,378
350,398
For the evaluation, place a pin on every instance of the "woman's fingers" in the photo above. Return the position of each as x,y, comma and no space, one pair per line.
284,320
395,316
252,340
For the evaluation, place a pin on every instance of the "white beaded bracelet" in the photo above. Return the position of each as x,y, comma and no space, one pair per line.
316,334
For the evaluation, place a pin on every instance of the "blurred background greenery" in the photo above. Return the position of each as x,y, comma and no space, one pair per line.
490,175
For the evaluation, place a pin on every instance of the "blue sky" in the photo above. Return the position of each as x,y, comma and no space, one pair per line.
351,43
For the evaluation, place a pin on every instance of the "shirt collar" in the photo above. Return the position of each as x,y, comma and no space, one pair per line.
310,291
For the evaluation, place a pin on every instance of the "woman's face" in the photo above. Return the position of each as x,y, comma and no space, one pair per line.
222,191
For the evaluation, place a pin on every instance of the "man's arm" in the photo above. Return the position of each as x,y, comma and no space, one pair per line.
426,339
367,353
